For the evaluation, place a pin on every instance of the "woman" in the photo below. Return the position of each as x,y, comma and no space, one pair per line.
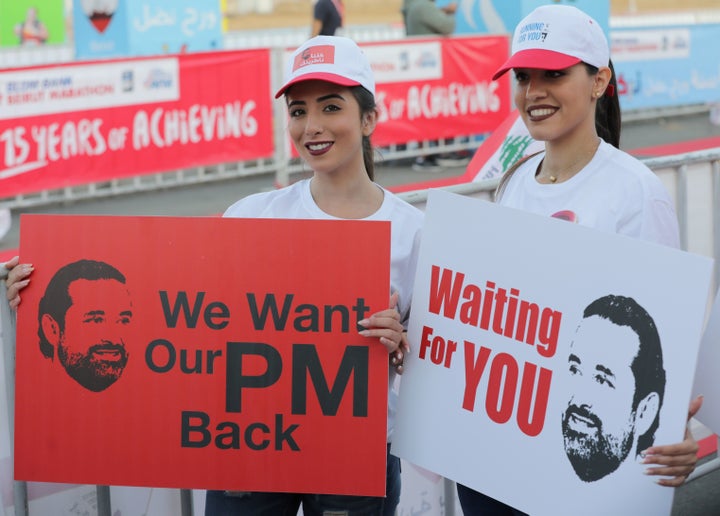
330,96
565,92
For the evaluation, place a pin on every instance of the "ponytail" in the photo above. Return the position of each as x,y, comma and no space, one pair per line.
366,100
607,110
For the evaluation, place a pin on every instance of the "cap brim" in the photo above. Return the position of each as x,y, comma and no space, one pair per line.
542,59
318,76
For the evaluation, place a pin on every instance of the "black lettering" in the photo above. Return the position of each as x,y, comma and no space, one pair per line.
284,435
187,428
150,358
269,305
355,362
236,381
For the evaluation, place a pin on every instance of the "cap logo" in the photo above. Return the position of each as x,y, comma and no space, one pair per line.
320,54
536,31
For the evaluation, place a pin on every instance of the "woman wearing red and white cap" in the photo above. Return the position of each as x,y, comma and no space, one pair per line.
565,91
330,96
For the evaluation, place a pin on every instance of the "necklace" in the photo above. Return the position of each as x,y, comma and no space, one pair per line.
583,160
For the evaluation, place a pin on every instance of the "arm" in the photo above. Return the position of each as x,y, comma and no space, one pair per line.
675,460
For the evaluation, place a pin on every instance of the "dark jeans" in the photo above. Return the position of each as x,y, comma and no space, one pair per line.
478,504
222,503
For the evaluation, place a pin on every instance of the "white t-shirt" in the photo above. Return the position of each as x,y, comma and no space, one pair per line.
296,202
614,192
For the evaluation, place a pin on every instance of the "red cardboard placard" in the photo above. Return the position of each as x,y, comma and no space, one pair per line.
244,369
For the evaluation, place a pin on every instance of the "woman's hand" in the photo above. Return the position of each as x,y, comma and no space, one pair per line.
17,279
676,461
387,327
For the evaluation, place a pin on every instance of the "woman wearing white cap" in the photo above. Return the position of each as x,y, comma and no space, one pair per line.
564,89
330,95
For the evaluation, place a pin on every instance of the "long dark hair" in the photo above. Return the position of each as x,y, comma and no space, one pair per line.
608,122
607,111
366,100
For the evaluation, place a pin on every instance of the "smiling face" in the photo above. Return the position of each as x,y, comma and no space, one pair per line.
91,346
599,422
326,126
558,105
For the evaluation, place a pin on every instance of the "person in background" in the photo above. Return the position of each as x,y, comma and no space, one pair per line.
328,16
329,92
425,18
565,90
31,31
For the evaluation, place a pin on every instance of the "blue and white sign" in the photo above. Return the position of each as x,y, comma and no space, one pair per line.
501,16
116,28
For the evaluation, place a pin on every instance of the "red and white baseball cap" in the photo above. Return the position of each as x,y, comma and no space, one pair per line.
554,37
334,59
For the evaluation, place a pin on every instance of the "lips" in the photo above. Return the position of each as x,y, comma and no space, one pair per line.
108,353
108,356
582,421
539,113
318,148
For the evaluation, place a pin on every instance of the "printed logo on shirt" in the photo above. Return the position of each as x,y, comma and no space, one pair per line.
320,54
568,215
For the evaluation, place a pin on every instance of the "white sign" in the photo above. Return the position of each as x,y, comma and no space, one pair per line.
706,376
525,334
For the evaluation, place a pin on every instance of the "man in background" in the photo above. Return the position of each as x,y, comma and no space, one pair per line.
327,17
425,18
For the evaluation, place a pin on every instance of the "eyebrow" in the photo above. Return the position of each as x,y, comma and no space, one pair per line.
605,370
102,312
319,99
574,358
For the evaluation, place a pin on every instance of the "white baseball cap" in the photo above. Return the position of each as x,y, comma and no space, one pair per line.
554,37
334,59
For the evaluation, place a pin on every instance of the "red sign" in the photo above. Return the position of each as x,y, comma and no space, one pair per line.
205,353
82,123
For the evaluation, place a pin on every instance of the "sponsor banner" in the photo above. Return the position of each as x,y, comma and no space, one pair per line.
114,28
64,89
650,45
444,97
509,356
31,23
217,364
131,117
501,16
664,67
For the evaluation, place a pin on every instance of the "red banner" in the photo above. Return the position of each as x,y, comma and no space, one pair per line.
202,362
439,88
81,123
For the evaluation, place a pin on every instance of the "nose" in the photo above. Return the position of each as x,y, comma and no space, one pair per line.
313,125
113,333
581,392
534,89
